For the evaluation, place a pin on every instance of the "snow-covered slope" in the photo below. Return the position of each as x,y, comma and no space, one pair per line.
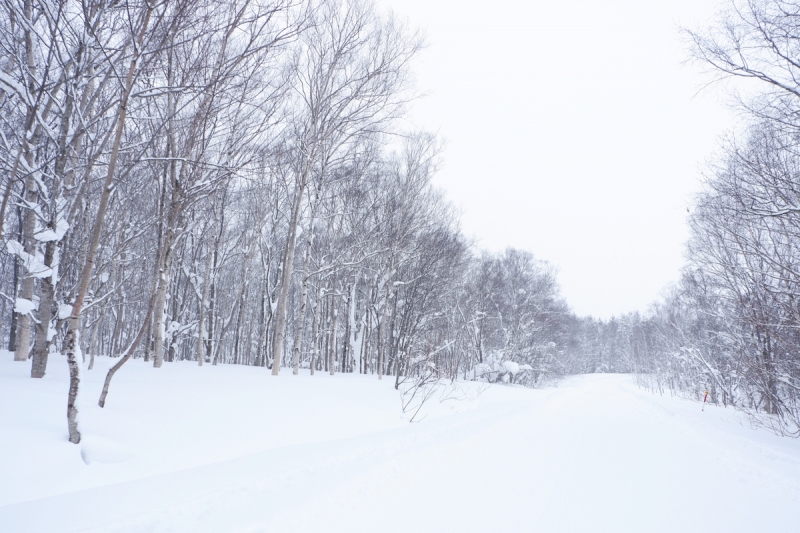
234,449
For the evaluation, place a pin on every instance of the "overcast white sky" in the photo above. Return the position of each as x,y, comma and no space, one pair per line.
573,131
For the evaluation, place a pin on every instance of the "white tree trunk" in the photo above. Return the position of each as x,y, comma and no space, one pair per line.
158,320
201,331
27,284
286,278
334,336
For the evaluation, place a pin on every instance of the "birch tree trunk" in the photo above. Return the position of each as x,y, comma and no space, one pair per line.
93,338
201,333
314,333
41,343
4,203
347,330
334,336
298,332
12,330
159,314
129,352
286,278
367,333
72,338
27,284
261,343
211,353
382,326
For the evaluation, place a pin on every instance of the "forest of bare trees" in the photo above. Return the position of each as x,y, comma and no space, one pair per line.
232,182
731,325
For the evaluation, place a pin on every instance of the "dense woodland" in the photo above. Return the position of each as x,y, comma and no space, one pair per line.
233,182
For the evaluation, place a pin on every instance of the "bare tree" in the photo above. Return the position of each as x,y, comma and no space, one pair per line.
352,80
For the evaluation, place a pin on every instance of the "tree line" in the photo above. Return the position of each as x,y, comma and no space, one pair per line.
230,182
731,325
233,182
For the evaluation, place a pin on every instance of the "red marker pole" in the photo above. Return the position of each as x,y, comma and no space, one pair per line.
705,397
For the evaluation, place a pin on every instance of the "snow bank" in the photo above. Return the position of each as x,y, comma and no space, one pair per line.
234,449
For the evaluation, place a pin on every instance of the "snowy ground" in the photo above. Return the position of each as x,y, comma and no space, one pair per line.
233,449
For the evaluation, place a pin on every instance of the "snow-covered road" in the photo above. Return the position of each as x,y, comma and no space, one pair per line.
594,454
